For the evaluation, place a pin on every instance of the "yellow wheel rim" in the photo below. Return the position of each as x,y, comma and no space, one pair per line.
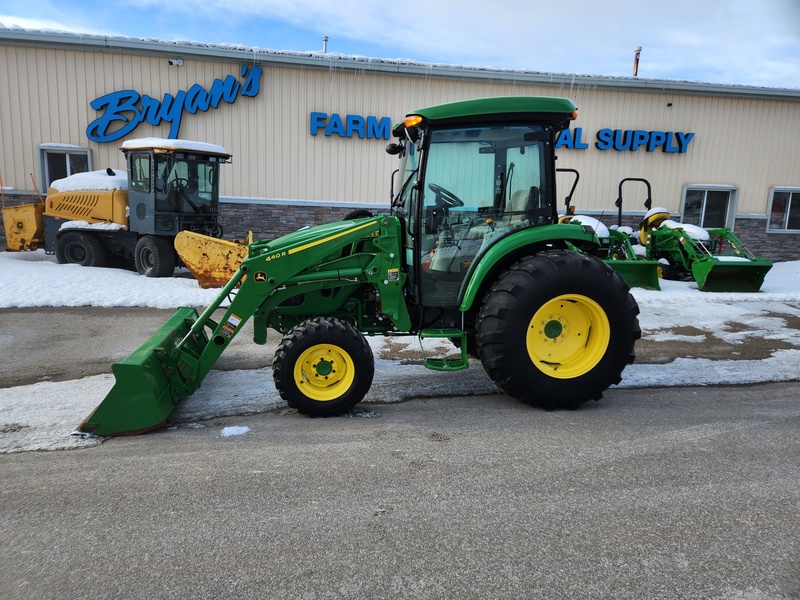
568,336
324,372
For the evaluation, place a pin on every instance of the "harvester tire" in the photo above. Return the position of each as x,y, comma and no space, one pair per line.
556,329
76,247
154,256
323,367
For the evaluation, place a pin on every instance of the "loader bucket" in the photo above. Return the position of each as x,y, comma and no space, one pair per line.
212,261
23,227
637,273
147,387
730,274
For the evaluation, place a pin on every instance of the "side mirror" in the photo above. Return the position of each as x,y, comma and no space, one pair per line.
394,148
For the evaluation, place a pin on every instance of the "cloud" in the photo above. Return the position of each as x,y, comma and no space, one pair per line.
722,41
719,41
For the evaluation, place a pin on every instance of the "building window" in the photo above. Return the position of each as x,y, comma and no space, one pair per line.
62,160
709,206
784,209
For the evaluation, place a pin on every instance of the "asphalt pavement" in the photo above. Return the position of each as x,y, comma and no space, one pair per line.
650,493
661,493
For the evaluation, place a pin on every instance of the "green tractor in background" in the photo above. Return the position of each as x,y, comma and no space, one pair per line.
471,251
618,248
716,259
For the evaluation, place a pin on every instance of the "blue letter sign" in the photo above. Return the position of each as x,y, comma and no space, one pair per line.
128,109
350,126
630,140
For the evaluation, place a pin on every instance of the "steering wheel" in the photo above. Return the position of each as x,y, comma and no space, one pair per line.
445,198
180,184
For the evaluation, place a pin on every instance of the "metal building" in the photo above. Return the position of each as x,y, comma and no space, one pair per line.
307,130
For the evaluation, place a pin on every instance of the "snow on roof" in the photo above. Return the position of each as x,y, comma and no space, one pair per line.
330,60
93,180
166,144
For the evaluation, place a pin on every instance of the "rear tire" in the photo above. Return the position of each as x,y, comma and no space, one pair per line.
76,247
323,367
154,256
557,329
358,213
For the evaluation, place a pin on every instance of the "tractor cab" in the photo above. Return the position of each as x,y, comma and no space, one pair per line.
467,181
174,186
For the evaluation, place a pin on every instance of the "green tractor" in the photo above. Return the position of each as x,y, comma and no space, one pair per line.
617,248
470,251
716,259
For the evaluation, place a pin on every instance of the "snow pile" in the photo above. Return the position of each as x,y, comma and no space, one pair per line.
41,416
236,430
108,179
94,226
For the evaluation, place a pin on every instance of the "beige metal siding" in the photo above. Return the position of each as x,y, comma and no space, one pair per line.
752,144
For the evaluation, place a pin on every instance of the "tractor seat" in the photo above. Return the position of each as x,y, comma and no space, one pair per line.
652,220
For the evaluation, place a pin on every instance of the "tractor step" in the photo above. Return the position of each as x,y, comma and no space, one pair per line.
445,363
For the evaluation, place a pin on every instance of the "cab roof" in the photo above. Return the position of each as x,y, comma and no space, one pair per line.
551,111
168,145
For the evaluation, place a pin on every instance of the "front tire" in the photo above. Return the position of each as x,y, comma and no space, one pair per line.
75,247
323,367
557,329
154,256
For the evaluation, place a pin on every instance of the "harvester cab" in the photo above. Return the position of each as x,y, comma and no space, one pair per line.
470,251
127,218
173,188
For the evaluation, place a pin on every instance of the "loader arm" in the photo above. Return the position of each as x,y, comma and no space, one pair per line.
327,264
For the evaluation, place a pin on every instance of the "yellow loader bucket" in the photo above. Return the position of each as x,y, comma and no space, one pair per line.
149,382
212,261
730,274
23,226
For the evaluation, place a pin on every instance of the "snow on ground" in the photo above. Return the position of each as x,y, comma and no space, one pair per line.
41,416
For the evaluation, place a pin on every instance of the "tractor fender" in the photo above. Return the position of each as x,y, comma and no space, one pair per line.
511,248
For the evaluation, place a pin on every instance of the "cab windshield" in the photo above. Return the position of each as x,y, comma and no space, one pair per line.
185,185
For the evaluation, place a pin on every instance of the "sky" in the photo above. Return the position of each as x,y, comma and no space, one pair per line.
42,416
737,42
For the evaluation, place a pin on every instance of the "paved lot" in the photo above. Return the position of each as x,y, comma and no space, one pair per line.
678,493
656,493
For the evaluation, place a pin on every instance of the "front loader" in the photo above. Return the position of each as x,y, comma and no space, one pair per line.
471,251
716,259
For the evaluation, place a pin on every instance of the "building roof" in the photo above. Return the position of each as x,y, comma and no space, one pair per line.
327,61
